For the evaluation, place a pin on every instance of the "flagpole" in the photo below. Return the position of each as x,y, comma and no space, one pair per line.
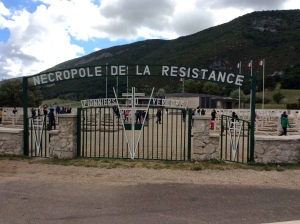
263,100
127,85
183,84
251,81
240,71
106,81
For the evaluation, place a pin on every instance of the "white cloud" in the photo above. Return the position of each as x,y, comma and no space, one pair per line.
44,38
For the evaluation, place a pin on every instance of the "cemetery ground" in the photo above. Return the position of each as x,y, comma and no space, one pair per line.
124,191
291,96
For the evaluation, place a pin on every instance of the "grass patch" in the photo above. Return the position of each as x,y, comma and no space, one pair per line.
197,168
156,164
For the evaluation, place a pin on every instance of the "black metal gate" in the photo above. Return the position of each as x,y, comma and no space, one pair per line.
104,134
38,139
235,139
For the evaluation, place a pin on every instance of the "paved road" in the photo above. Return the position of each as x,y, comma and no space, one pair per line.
37,201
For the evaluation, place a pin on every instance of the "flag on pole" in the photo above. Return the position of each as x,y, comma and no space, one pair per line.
181,79
238,65
261,63
249,65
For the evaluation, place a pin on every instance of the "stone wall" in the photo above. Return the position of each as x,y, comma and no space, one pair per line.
11,141
205,145
63,142
275,149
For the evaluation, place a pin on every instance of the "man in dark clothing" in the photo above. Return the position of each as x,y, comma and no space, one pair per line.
33,113
116,110
137,116
52,119
212,120
57,109
158,115
45,109
183,114
234,117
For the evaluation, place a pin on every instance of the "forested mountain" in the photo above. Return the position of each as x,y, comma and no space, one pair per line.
270,35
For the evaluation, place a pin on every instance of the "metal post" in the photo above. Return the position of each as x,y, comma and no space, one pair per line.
127,85
106,81
263,98
189,117
240,71
251,85
78,130
252,112
25,116
132,120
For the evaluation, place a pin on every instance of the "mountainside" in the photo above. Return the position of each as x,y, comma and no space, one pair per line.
270,35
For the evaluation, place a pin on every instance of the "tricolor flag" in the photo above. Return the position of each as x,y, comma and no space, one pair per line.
249,65
261,63
181,79
238,65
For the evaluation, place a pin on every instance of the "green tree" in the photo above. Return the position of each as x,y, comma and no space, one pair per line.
277,97
11,94
189,86
235,94
199,86
211,88
145,89
160,92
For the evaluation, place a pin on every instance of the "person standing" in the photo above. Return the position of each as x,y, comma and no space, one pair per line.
197,111
183,114
192,117
126,115
284,124
57,109
234,118
45,109
283,115
14,114
212,120
158,115
52,119
137,117
15,110
33,113
202,112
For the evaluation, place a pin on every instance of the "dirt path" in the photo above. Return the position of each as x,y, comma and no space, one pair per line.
22,170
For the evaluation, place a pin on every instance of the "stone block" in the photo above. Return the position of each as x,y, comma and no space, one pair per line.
210,149
198,143
198,150
259,149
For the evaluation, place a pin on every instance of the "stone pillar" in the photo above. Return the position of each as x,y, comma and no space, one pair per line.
11,141
63,142
205,145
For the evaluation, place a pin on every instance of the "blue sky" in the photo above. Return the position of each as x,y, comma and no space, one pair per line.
38,34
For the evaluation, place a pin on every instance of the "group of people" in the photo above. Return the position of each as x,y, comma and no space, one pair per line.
48,110
213,114
139,115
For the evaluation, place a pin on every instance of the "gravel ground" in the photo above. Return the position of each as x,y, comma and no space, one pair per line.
22,170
